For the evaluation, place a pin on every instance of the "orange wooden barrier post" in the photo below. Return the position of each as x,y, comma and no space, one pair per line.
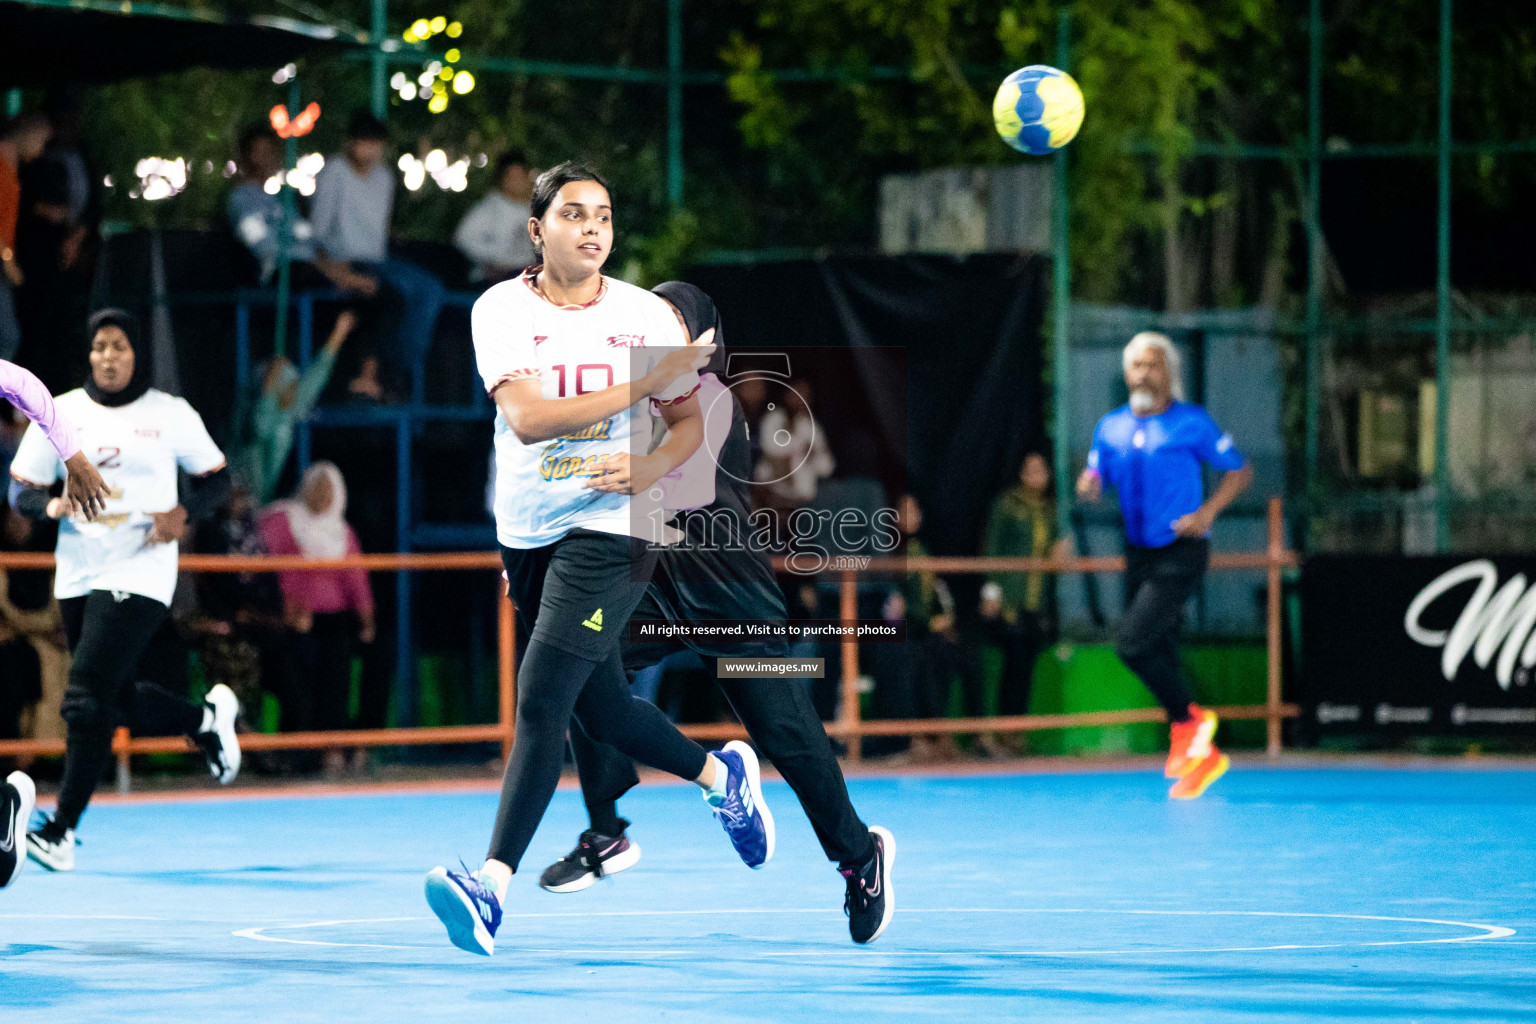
120,744
848,713
1272,627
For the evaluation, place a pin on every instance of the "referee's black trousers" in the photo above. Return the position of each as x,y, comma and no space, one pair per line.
1158,583
107,633
781,719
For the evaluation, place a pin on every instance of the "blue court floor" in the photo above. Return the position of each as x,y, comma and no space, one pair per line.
1284,895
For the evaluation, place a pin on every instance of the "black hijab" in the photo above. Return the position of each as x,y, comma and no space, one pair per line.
700,315
143,364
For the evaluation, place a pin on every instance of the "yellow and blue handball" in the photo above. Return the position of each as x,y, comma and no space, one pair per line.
1038,109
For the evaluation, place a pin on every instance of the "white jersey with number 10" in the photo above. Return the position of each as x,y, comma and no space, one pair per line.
573,350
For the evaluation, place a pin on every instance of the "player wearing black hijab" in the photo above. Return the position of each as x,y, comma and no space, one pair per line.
714,575
115,575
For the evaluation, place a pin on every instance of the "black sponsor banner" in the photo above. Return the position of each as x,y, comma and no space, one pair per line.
1442,644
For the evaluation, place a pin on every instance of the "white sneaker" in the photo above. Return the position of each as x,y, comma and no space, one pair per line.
17,798
52,848
219,743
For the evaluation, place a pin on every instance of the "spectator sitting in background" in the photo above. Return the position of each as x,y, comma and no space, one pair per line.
795,455
22,140
1017,608
328,611
266,423
354,197
258,218
493,235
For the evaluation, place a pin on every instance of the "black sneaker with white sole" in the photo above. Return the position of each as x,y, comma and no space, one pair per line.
871,901
218,743
595,855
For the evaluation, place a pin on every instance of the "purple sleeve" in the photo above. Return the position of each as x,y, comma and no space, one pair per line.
28,394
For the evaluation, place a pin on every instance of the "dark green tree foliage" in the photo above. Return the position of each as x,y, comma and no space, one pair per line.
791,162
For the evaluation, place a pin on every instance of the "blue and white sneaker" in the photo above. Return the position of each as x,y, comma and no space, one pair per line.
740,808
468,908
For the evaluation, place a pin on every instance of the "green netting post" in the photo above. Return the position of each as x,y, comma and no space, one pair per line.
1061,298
1443,294
1314,231
376,32
290,214
675,103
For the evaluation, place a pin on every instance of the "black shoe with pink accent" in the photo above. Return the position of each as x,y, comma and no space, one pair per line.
871,902
595,855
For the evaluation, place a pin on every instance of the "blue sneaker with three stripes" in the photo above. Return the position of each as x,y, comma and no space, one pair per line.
740,808
468,908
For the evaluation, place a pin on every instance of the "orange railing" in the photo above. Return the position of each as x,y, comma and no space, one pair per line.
848,725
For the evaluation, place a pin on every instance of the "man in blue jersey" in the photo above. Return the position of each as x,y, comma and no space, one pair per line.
1151,450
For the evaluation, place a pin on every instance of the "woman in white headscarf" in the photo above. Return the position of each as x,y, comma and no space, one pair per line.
330,611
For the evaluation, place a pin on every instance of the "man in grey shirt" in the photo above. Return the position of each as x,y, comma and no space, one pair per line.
493,235
261,222
354,197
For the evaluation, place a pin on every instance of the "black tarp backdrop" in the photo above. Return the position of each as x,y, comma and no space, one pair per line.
956,426
1435,645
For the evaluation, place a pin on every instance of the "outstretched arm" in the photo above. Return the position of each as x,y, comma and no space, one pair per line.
83,487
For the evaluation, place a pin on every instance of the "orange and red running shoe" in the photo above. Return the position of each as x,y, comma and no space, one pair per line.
1189,741
1198,777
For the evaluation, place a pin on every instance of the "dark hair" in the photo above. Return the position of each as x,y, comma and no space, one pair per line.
508,160
557,177
23,123
1040,448
254,132
364,127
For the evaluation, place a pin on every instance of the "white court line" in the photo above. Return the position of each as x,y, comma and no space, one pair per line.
1483,932
92,917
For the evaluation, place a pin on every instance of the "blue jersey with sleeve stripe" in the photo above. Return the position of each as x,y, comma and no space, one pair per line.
1154,463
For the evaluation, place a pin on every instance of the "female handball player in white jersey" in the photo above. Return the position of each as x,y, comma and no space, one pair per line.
115,575
568,355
